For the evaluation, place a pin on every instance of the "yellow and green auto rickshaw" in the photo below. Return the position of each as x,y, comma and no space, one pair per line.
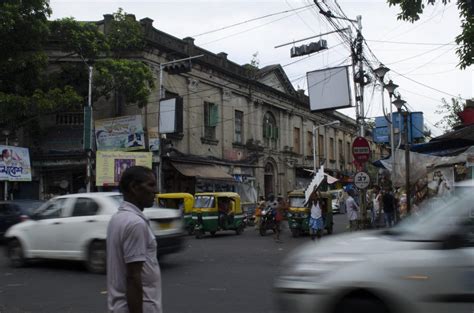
179,201
216,211
298,213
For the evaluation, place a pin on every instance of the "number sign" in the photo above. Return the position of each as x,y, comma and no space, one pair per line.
361,180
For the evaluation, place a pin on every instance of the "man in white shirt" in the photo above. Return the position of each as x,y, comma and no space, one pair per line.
133,272
352,210
316,222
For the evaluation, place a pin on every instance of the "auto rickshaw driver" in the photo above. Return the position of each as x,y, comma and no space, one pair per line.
225,208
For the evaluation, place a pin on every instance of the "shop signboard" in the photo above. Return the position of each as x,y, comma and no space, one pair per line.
15,164
123,133
110,165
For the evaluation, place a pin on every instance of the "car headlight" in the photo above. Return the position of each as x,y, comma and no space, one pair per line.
307,268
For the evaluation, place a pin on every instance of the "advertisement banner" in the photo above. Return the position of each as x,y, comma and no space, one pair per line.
441,181
111,164
15,164
121,134
154,139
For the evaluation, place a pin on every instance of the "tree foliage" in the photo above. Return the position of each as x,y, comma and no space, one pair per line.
450,113
113,72
131,79
125,34
412,9
30,87
24,91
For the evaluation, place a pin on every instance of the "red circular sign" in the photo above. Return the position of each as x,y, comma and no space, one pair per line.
361,150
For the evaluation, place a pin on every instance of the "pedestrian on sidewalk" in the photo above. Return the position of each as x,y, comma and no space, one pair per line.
133,272
352,210
389,207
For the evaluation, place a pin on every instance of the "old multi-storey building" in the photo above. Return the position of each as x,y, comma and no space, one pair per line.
242,128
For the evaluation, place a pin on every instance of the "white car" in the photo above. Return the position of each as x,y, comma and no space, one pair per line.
425,264
74,227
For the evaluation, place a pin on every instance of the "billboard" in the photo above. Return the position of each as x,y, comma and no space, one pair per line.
381,133
329,89
171,115
123,133
110,165
15,164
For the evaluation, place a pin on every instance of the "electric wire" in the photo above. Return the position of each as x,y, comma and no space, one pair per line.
421,54
246,30
424,85
410,43
428,62
251,20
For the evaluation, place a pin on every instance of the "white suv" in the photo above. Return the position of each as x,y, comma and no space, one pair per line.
74,227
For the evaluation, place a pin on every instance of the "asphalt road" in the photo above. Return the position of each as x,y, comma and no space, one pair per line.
226,273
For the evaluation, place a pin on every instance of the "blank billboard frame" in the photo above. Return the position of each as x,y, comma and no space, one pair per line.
323,97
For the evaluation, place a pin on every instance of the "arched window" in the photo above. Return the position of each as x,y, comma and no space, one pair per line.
270,130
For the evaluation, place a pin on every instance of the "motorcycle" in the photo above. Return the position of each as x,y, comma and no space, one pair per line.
267,221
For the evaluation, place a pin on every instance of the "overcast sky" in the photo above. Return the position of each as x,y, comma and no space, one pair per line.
420,55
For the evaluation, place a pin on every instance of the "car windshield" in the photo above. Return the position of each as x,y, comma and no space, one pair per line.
204,202
28,206
297,202
436,218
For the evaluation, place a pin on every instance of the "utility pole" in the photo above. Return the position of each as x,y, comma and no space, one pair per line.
89,125
161,92
407,160
360,80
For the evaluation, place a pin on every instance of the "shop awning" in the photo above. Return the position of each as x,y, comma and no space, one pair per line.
204,171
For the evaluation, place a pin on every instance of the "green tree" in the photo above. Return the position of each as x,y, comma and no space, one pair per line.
450,113
412,9
114,74
24,91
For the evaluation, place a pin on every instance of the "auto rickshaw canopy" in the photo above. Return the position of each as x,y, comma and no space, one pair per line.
171,200
210,201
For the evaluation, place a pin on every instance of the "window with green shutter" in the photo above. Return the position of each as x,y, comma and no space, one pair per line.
270,130
211,119
213,115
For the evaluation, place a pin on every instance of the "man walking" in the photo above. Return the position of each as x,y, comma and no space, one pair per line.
133,272
388,201
352,210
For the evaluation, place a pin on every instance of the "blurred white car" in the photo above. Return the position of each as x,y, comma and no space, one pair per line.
336,195
424,265
74,227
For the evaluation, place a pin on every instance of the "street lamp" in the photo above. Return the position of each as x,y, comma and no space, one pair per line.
399,103
314,141
381,71
391,90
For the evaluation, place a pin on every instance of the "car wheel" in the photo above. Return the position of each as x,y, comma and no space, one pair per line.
97,257
15,253
213,233
361,305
